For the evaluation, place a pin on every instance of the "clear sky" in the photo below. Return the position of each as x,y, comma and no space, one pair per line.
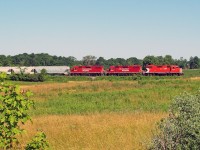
107,28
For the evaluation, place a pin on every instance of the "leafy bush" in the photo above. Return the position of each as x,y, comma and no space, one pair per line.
38,142
28,77
14,106
181,130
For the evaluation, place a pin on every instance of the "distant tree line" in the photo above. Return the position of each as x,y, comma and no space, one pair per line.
44,59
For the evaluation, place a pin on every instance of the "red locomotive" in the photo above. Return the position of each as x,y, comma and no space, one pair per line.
124,70
162,70
87,71
151,70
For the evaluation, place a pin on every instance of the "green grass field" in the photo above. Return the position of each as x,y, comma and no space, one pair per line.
105,112
118,96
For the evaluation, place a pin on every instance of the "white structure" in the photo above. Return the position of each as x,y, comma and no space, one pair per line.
7,70
28,70
54,70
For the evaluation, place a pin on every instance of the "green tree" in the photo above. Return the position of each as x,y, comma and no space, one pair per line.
168,60
194,62
160,60
133,61
120,61
181,62
89,60
70,61
2,60
101,61
149,60
111,62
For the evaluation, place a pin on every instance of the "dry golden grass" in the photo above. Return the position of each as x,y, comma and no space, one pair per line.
96,131
195,78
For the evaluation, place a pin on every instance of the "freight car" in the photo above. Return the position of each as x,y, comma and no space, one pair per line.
124,70
53,70
87,71
162,70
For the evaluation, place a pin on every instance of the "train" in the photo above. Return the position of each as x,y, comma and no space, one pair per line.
163,70
98,70
87,71
150,70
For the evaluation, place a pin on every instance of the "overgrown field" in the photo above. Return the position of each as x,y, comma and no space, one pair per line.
103,114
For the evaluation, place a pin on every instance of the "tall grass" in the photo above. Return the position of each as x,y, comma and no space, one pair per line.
106,96
191,73
96,131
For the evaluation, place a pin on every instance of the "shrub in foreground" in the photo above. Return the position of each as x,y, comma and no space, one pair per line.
181,130
14,107
38,142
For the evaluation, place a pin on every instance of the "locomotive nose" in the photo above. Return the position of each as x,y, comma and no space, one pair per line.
147,70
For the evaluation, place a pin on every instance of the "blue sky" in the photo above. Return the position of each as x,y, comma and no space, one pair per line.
107,28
